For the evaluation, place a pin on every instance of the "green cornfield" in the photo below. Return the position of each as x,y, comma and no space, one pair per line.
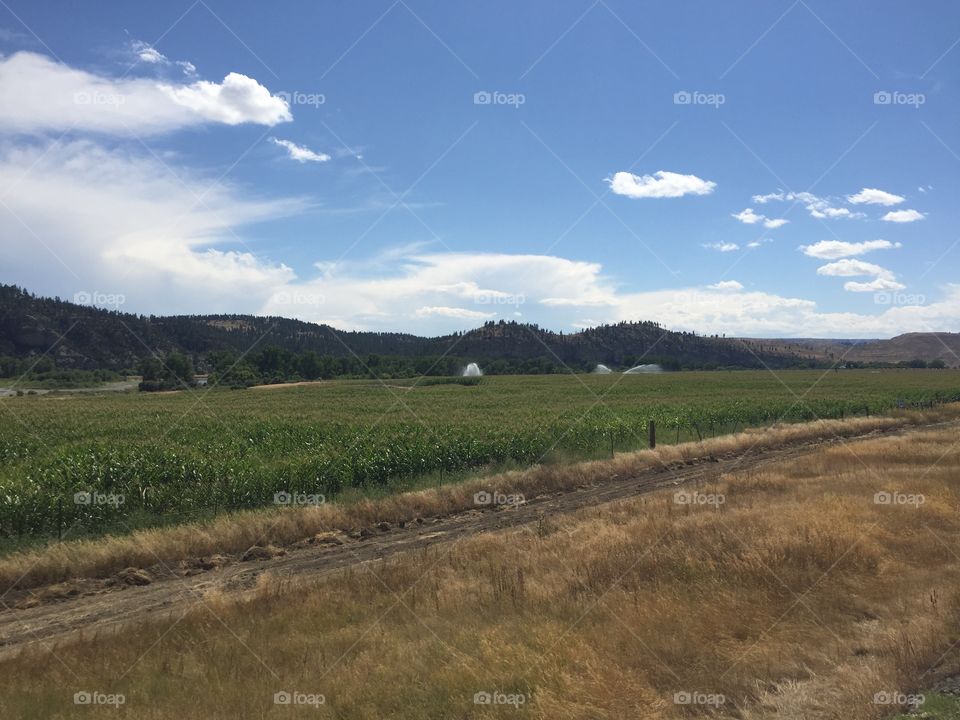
76,464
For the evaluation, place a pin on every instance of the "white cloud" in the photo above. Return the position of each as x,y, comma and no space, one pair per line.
748,216
723,247
238,99
82,217
661,184
726,285
763,199
903,216
872,196
38,95
883,279
822,212
147,53
833,249
850,268
299,152
875,285
818,207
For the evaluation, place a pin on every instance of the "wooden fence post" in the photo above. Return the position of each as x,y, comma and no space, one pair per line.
652,436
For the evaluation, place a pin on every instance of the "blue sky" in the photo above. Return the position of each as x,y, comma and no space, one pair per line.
426,166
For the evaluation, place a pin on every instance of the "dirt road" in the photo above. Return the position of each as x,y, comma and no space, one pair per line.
46,616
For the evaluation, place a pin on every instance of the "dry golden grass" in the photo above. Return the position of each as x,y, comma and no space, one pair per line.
236,532
798,597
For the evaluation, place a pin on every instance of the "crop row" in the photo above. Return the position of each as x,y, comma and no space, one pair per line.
109,483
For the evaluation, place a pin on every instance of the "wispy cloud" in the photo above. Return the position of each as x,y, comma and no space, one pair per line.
299,152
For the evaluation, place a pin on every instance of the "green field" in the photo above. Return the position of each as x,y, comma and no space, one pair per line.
192,454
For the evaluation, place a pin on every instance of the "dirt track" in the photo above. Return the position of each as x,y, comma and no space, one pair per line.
97,606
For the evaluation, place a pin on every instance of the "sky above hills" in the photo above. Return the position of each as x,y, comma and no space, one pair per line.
769,168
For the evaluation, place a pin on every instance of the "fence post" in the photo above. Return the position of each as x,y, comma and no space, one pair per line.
652,434
59,519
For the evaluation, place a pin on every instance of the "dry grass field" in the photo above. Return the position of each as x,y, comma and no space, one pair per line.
814,589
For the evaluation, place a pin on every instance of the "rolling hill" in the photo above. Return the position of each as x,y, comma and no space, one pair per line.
84,337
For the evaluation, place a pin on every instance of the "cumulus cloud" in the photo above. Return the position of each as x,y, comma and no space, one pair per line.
661,184
883,279
833,249
299,152
238,99
872,196
903,216
849,268
748,216
38,95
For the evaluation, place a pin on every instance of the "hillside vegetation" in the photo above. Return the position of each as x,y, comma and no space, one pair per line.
89,338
